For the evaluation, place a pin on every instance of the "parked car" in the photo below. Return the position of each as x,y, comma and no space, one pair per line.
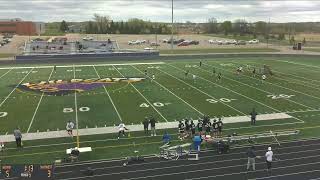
148,49
231,42
185,43
221,42
241,42
253,41
87,38
211,41
37,39
154,44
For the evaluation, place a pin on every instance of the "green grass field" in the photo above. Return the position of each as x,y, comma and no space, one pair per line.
292,90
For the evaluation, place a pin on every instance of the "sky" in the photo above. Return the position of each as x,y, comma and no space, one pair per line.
160,10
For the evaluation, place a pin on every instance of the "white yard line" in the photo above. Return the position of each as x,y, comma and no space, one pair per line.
36,110
76,102
105,89
142,96
269,93
82,65
15,88
5,73
201,91
171,92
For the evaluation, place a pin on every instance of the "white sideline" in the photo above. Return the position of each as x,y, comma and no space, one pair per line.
80,65
133,128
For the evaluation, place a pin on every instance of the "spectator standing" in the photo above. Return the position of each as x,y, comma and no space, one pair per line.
269,155
18,136
153,126
251,158
146,125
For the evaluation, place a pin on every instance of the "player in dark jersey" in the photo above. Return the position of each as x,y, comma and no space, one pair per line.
181,128
55,69
220,124
186,73
214,128
187,125
213,71
254,72
145,73
208,127
199,125
193,128
200,63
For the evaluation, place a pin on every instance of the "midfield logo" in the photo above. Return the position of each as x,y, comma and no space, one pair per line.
63,87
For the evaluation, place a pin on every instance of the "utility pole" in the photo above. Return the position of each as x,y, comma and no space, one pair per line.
171,26
268,32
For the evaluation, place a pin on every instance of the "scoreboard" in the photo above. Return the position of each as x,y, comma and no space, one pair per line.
27,171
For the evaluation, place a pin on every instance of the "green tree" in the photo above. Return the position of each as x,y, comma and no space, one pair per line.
64,26
261,27
211,26
226,27
240,26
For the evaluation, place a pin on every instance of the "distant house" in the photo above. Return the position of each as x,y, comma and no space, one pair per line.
76,28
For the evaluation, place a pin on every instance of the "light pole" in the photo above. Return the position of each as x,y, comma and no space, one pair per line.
171,26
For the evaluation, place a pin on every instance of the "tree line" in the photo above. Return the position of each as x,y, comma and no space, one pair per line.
104,25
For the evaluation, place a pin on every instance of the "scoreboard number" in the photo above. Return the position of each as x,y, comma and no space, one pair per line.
35,171
49,173
7,173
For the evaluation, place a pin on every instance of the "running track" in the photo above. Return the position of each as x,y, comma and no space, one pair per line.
299,160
